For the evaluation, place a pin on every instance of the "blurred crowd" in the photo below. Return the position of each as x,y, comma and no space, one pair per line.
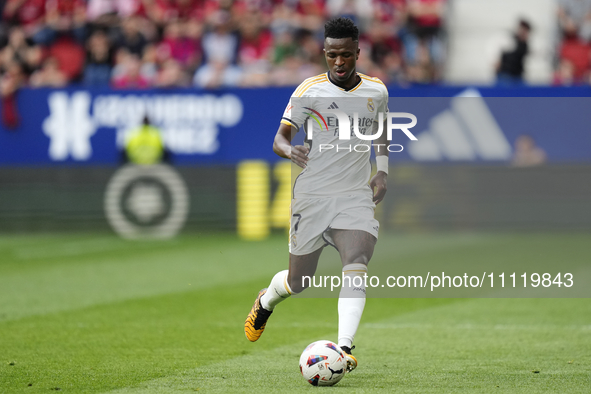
209,43
574,51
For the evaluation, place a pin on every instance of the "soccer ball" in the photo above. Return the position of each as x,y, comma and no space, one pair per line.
323,363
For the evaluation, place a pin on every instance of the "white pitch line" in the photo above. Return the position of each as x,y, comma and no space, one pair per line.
469,326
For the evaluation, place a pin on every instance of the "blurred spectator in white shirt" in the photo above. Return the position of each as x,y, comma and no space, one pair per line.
122,8
221,43
360,11
216,74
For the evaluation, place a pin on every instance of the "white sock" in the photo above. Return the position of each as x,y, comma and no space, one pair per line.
351,302
278,291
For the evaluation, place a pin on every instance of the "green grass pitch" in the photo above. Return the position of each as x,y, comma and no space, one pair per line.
95,314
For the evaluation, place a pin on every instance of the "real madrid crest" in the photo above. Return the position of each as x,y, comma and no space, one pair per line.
370,105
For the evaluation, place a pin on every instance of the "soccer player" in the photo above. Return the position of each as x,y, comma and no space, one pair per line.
332,202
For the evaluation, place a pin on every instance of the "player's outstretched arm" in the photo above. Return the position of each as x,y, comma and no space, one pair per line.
282,146
379,182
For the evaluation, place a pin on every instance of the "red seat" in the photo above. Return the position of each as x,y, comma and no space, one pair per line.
70,56
578,53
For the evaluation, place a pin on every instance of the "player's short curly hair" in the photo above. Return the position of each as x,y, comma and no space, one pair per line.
341,28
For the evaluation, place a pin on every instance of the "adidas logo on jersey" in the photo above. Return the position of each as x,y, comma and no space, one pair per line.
333,106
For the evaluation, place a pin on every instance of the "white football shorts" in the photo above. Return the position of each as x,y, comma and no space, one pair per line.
313,218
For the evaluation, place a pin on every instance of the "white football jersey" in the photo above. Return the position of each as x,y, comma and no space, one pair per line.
336,166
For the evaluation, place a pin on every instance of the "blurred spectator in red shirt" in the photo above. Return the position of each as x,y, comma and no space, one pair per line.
382,40
578,55
265,8
28,14
12,79
574,17
423,48
254,51
310,15
393,12
255,41
70,56
426,15
131,76
423,27
194,32
164,11
178,45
